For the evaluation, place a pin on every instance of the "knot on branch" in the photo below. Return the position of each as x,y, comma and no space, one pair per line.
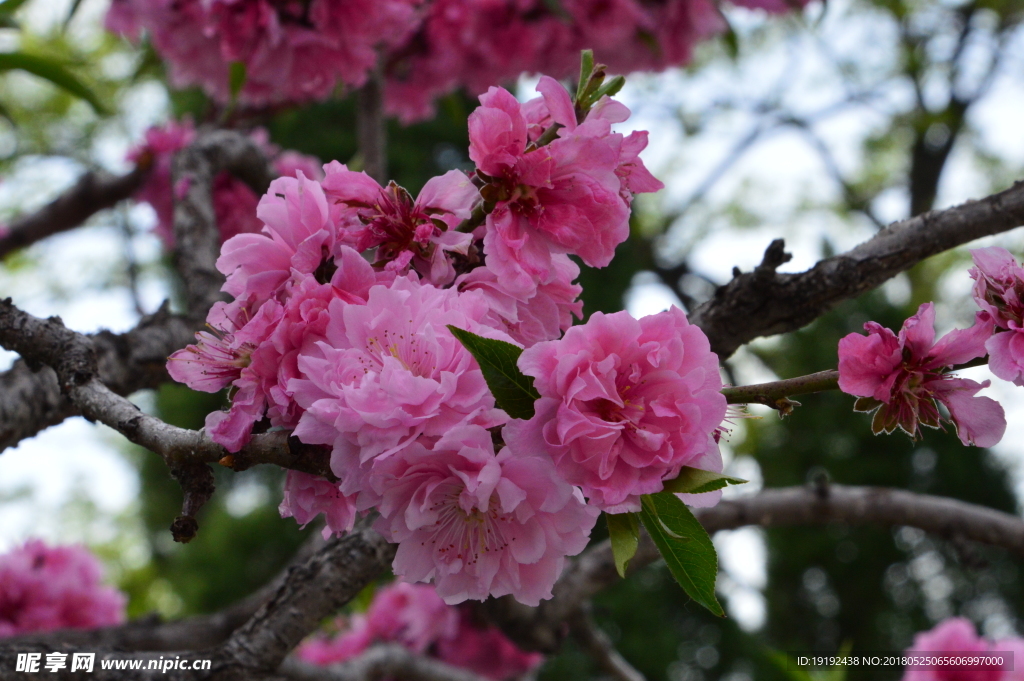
196,480
774,257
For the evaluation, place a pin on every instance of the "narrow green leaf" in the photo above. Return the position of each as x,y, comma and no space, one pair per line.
52,71
236,78
611,88
697,481
685,546
586,70
732,42
624,532
512,389
9,7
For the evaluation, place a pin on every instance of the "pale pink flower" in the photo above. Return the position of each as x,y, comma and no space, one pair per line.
485,650
478,524
903,377
389,372
529,319
999,290
307,496
44,588
406,232
356,636
413,615
956,637
624,404
559,198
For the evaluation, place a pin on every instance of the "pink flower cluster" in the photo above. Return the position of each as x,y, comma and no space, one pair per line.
234,203
416,617
292,51
44,588
339,332
906,377
295,51
956,637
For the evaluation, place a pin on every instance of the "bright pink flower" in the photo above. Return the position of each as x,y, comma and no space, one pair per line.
624,404
903,377
307,496
956,637
559,198
404,231
389,372
413,615
999,290
477,524
530,319
485,650
44,588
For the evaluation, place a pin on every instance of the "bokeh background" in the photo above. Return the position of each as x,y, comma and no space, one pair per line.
820,126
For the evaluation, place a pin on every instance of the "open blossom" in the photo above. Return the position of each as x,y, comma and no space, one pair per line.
905,376
476,523
543,314
234,202
416,617
956,637
999,290
390,371
624,404
559,198
405,231
307,496
43,588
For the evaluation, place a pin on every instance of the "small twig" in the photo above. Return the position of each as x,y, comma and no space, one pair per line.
600,647
775,394
372,127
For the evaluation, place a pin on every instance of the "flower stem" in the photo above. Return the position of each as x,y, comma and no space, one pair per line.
775,394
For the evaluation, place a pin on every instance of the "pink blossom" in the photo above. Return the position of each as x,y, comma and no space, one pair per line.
406,232
529,319
903,377
999,290
956,637
307,496
624,404
349,644
559,198
44,588
389,372
412,614
234,203
485,650
477,524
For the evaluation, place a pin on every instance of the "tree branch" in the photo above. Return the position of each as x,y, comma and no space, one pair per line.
765,302
372,127
390,661
775,394
599,646
94,191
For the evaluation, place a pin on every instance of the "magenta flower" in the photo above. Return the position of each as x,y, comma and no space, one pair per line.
355,638
530,319
412,614
389,372
404,231
559,198
956,637
485,650
44,588
624,404
477,524
307,496
999,290
903,377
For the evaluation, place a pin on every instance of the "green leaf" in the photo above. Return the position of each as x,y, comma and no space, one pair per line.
586,71
685,546
611,88
624,532
697,481
9,7
512,389
236,78
53,71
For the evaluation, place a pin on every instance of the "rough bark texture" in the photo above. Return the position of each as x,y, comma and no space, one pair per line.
765,302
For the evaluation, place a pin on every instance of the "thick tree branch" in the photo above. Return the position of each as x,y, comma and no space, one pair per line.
543,628
94,191
765,302
197,239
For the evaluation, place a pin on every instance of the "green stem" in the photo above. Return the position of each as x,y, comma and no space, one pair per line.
549,135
